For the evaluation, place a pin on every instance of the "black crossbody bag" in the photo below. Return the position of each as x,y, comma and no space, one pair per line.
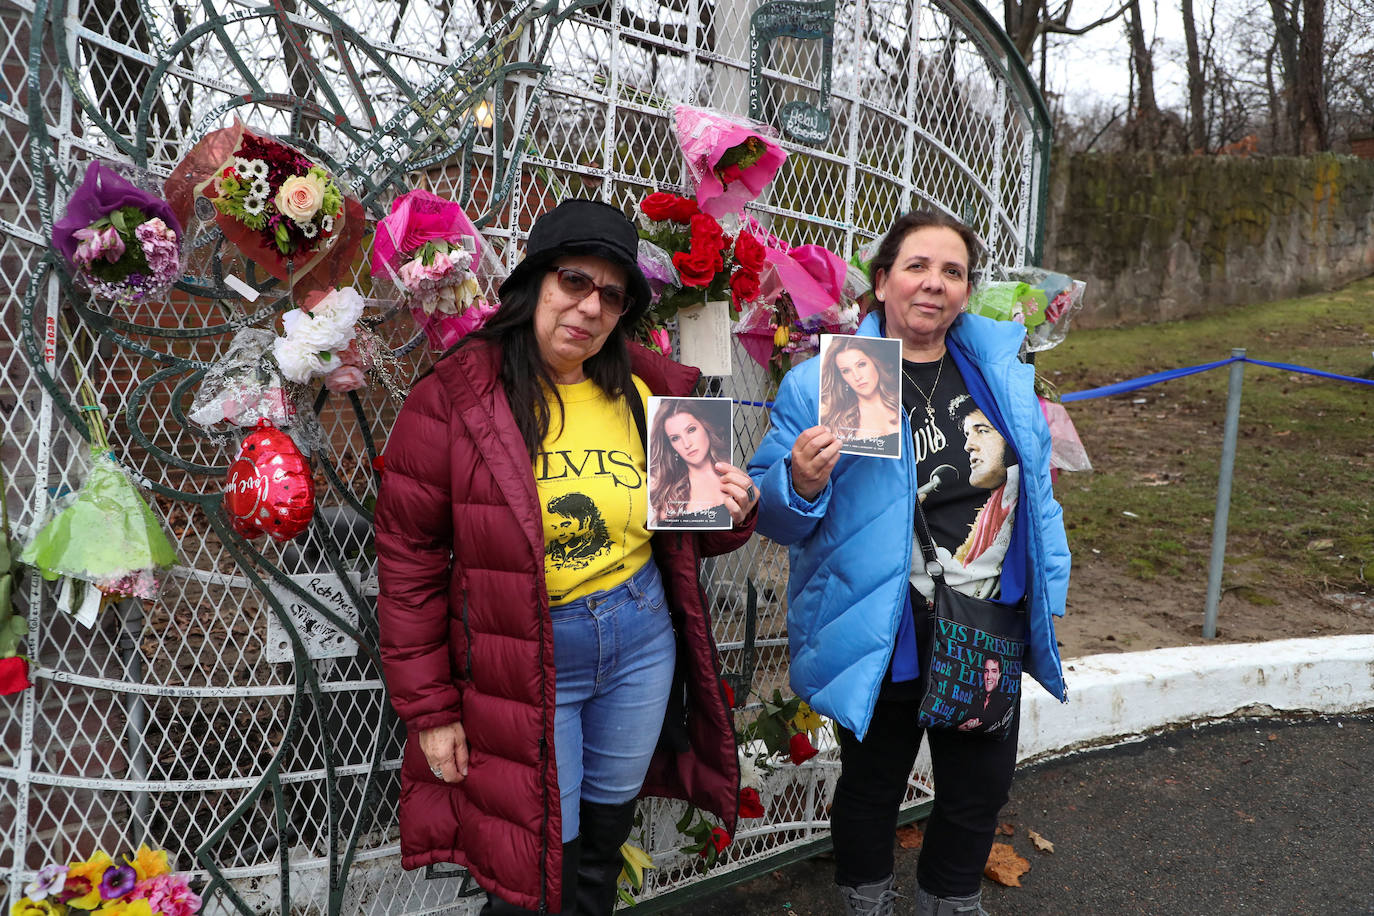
965,634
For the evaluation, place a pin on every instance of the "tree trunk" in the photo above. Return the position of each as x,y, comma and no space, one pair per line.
1022,20
1309,95
1286,38
1197,125
1144,128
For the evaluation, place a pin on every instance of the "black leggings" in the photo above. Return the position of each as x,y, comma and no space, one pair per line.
972,782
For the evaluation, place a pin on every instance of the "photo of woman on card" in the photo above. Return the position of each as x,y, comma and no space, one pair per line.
687,437
861,394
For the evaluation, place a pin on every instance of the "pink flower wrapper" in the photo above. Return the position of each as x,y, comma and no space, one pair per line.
704,137
811,274
417,217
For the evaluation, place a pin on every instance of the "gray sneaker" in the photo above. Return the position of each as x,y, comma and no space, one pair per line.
876,899
930,905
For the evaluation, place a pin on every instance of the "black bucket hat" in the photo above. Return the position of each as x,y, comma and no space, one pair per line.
581,226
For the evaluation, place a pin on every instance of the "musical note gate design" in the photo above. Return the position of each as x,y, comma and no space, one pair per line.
240,720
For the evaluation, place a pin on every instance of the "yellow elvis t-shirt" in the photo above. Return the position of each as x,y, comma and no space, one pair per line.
592,478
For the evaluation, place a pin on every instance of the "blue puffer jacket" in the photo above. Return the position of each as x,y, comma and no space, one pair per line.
850,550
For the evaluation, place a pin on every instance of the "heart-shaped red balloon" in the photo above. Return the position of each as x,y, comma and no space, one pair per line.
270,489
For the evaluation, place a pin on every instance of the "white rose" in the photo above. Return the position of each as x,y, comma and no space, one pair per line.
307,330
300,196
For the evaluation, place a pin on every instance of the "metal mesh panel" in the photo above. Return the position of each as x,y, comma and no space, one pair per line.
175,723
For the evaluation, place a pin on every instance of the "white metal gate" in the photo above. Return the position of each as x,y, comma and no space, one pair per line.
176,724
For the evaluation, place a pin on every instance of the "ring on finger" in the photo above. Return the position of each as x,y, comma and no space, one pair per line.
437,771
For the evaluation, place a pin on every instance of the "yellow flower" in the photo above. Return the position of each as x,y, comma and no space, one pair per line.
806,719
636,860
92,870
125,908
149,863
781,336
27,907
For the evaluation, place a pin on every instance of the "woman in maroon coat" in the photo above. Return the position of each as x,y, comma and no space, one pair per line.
551,658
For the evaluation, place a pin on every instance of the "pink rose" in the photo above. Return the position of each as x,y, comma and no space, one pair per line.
345,379
352,356
300,196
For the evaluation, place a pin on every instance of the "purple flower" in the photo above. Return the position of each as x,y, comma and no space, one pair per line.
117,881
48,882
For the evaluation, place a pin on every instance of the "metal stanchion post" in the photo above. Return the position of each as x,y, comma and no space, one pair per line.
1228,461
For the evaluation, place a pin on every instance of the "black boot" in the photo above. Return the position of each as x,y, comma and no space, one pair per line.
572,856
604,829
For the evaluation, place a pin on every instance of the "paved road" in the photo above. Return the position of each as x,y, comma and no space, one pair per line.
1257,816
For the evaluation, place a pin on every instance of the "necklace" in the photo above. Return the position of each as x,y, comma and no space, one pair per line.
930,410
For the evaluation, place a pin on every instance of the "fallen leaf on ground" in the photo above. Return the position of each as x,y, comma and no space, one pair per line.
1005,829
1273,737
1040,842
1005,866
910,837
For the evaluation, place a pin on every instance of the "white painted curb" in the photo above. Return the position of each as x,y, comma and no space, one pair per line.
1118,696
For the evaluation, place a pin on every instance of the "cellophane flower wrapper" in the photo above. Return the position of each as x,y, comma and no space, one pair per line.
439,264
1066,448
244,386
657,267
122,240
310,229
1064,297
105,534
706,138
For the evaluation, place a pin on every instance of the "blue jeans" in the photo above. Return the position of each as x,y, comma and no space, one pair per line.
614,655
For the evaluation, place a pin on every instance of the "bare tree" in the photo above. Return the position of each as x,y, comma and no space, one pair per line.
1026,20
1197,125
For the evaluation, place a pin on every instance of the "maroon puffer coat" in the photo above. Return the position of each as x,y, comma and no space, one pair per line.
469,638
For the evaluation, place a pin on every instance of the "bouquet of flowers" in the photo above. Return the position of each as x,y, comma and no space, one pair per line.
143,885
279,208
104,540
319,342
430,249
730,159
704,261
123,242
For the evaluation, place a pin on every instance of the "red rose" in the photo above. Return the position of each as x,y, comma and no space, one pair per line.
800,749
14,675
663,206
729,694
705,230
744,286
750,805
697,267
719,839
749,252
731,173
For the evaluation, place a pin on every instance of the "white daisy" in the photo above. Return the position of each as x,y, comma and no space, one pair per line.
253,205
260,188
327,223
309,229
244,167
258,169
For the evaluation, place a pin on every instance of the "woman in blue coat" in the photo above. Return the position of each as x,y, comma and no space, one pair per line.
975,452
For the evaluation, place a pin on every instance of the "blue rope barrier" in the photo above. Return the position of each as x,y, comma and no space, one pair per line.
1167,375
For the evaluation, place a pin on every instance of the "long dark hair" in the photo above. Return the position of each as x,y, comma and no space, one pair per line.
524,377
668,473
839,401
888,248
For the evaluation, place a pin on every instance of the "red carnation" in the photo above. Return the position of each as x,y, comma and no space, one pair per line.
14,675
800,749
749,252
697,267
663,206
750,805
744,286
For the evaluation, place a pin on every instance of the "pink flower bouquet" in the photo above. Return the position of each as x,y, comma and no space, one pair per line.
123,242
428,247
730,159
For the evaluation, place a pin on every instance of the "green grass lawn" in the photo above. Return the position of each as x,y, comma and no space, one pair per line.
1304,473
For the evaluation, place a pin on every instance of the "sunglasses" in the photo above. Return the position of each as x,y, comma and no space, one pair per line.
614,300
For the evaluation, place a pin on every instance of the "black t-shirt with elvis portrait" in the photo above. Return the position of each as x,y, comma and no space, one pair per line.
966,475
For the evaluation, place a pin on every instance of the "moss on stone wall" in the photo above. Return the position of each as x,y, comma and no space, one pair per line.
1161,237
